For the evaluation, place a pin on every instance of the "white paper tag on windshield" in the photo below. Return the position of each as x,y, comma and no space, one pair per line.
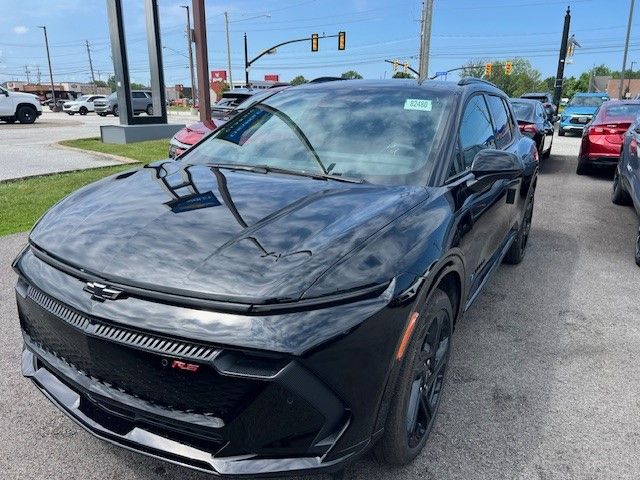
417,104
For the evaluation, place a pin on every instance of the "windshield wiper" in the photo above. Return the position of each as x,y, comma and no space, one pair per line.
285,171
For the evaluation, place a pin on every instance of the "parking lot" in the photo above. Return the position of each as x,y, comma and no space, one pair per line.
32,150
543,383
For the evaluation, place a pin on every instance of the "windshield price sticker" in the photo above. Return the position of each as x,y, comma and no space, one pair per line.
417,104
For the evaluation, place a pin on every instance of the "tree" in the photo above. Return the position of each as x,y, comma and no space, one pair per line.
299,80
138,86
402,75
100,83
113,84
351,75
523,78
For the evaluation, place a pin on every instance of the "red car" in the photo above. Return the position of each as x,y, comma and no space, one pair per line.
192,134
602,138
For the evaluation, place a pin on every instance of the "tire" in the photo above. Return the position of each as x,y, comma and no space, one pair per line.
582,168
102,114
115,110
638,249
71,113
561,132
83,111
26,114
413,413
618,194
518,248
149,110
547,154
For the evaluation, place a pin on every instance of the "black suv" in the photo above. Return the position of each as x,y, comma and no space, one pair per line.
283,296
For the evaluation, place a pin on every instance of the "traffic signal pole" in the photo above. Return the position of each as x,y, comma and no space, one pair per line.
561,60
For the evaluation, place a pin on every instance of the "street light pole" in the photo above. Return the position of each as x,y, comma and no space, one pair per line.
53,90
189,41
626,48
246,62
561,60
226,25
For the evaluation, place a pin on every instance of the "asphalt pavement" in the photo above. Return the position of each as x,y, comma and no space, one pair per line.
543,383
30,149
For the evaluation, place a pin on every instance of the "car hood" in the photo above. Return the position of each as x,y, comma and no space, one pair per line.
30,96
233,235
579,110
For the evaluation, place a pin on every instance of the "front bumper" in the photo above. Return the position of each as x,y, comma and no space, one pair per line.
253,413
102,108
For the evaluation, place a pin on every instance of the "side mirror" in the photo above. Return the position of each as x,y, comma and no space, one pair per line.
5,93
490,165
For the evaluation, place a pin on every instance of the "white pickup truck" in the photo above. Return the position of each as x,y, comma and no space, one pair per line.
19,106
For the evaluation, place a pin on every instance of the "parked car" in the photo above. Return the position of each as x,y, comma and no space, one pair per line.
579,111
626,181
19,107
229,101
141,101
534,122
547,102
283,297
603,137
192,134
82,105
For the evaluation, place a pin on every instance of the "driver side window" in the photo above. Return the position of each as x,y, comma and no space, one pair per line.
476,130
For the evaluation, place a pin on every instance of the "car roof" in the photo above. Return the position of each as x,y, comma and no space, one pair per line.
408,84
531,101
591,94
535,94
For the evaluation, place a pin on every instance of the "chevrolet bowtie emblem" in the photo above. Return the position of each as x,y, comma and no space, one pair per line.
100,292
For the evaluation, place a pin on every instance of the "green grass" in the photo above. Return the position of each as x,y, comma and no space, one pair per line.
24,201
140,151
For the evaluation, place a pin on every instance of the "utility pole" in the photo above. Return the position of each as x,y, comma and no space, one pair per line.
226,26
425,39
626,48
557,93
189,42
246,62
38,75
53,90
93,78
202,59
26,70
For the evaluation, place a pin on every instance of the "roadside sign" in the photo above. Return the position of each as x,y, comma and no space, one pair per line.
218,75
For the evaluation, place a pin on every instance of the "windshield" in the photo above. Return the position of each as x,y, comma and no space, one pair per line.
620,113
523,110
587,101
379,135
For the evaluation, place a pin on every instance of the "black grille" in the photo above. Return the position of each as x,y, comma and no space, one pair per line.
117,357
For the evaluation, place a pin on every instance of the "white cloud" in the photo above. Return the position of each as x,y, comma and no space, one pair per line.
20,30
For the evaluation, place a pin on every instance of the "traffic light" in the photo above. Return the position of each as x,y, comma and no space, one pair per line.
314,42
395,65
405,67
342,40
487,69
508,68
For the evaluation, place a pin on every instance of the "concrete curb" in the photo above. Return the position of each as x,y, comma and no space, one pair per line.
107,156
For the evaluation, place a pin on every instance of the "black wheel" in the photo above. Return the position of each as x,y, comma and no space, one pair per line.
102,114
618,194
518,247
582,168
26,114
83,111
541,147
115,110
560,132
71,113
420,382
149,110
638,249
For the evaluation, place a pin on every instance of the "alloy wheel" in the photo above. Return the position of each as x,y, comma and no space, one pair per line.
428,373
526,224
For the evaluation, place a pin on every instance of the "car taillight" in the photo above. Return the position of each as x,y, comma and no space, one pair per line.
528,127
611,129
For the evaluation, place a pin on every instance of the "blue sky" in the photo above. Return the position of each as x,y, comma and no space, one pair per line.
376,29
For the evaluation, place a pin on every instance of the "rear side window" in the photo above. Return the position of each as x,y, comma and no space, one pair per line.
501,121
476,130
